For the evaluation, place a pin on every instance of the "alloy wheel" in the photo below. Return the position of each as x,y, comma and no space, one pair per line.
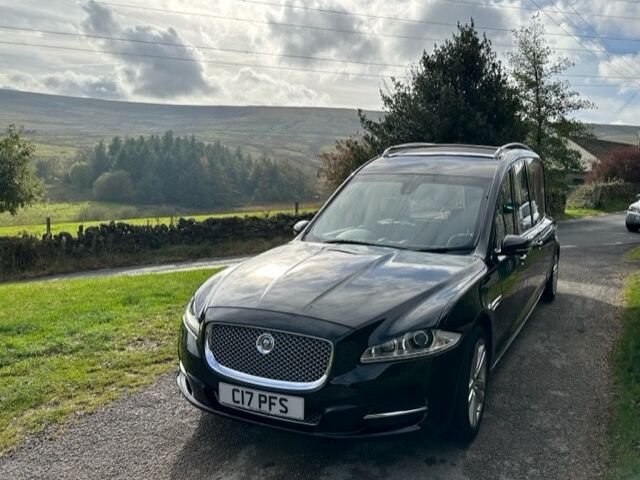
477,383
554,272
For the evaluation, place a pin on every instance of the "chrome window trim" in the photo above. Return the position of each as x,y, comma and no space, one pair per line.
262,381
443,153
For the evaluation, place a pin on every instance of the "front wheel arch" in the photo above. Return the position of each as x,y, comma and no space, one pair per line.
484,321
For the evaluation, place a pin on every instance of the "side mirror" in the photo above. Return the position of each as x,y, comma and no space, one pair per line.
515,245
300,226
638,197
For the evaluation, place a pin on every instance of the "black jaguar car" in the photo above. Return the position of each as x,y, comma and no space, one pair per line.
389,309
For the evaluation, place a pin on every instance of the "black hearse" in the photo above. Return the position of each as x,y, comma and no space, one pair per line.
389,309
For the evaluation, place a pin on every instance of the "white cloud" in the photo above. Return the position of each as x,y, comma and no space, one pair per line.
200,80
143,70
65,83
251,87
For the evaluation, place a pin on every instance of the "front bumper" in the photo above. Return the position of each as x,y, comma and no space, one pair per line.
364,400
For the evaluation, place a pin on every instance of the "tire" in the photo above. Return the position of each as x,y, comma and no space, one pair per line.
472,387
632,228
551,287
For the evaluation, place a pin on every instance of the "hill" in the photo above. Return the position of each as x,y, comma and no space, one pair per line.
295,133
597,147
58,123
616,133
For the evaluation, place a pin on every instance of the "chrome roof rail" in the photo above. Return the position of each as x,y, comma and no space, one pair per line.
511,146
405,146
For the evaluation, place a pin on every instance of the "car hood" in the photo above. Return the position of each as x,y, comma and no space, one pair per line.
346,284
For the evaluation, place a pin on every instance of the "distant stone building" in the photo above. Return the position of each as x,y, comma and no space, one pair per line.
587,160
591,150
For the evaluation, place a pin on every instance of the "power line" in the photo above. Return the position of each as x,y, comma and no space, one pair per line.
607,46
602,85
197,47
237,50
253,52
336,30
412,20
535,3
625,105
256,65
194,60
602,42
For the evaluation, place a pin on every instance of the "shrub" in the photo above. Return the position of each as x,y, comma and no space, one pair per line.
113,186
622,164
81,175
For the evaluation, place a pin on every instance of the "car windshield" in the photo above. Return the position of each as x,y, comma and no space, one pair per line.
418,212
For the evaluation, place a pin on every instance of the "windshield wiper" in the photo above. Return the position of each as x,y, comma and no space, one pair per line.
442,249
358,242
350,242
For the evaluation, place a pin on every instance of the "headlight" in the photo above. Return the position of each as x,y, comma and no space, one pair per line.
633,208
190,318
411,345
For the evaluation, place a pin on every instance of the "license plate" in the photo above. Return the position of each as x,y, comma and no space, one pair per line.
258,401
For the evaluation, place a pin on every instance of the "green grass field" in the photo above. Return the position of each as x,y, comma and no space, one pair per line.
67,216
611,207
47,150
625,428
67,347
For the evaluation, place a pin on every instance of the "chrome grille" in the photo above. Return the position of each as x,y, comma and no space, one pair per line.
294,358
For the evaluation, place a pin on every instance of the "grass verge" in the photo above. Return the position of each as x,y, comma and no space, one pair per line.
609,207
68,347
625,428
634,254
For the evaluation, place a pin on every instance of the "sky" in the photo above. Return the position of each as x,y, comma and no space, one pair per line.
330,53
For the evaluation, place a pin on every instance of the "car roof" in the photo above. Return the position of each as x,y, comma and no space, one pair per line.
446,159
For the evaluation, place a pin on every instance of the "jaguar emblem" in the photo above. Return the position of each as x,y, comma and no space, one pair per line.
265,343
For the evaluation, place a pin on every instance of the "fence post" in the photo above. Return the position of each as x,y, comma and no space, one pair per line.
296,209
48,226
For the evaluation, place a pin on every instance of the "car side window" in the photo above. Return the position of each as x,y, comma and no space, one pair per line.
521,197
535,172
504,220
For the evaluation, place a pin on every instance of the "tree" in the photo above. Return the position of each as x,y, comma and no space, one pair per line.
621,164
459,93
547,102
113,186
100,161
347,156
19,186
81,175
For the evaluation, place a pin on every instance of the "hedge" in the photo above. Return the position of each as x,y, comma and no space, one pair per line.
19,254
595,195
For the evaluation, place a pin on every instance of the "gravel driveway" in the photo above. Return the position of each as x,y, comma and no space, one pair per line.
546,417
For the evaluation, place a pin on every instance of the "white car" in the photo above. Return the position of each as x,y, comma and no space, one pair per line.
633,216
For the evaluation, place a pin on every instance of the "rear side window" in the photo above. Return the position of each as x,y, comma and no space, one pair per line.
504,223
522,200
535,173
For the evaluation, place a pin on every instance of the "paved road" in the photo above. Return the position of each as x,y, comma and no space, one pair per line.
546,418
142,270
